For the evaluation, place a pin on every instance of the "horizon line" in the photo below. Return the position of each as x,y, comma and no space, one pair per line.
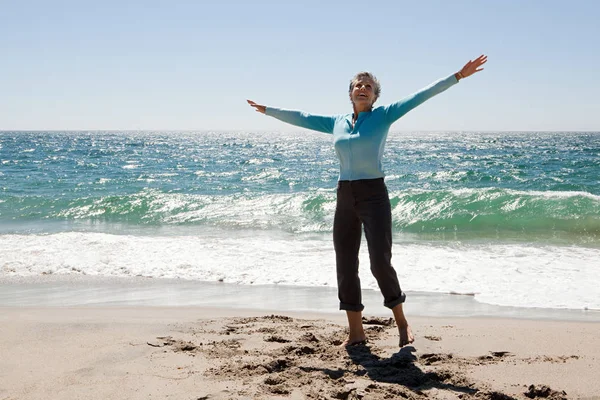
297,131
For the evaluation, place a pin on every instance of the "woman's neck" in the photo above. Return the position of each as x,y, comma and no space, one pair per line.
361,108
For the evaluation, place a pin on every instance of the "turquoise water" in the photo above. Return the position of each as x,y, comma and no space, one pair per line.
524,186
511,219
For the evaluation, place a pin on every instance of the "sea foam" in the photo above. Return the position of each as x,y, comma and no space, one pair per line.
515,274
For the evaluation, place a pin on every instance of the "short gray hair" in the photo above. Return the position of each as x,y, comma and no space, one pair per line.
364,74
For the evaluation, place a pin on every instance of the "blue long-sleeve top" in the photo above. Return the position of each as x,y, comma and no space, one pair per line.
360,147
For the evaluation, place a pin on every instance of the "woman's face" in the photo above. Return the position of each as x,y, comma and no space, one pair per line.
363,92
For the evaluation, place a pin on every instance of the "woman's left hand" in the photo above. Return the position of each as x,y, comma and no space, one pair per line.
472,66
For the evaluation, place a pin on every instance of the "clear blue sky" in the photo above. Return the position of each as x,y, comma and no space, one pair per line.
133,64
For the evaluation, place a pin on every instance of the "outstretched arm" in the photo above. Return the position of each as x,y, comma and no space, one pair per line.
298,118
400,108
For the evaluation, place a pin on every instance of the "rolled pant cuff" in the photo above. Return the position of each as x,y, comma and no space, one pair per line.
351,307
394,303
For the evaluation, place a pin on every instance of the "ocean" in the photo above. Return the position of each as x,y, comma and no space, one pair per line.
510,218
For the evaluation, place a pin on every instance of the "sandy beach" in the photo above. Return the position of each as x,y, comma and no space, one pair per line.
223,353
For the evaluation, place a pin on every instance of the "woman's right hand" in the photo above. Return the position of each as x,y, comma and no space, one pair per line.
258,107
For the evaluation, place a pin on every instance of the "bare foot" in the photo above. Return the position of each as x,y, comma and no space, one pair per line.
356,333
353,341
406,336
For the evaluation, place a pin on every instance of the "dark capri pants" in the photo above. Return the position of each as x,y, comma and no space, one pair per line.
365,203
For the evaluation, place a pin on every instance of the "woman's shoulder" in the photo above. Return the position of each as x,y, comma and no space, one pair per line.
342,117
380,110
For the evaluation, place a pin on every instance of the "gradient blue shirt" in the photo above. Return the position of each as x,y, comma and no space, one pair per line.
360,147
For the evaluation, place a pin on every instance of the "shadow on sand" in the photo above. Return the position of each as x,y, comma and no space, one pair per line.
400,369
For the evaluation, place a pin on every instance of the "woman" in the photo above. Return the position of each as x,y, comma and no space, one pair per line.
362,197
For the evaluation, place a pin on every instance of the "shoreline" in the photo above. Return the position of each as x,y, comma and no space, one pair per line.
93,291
